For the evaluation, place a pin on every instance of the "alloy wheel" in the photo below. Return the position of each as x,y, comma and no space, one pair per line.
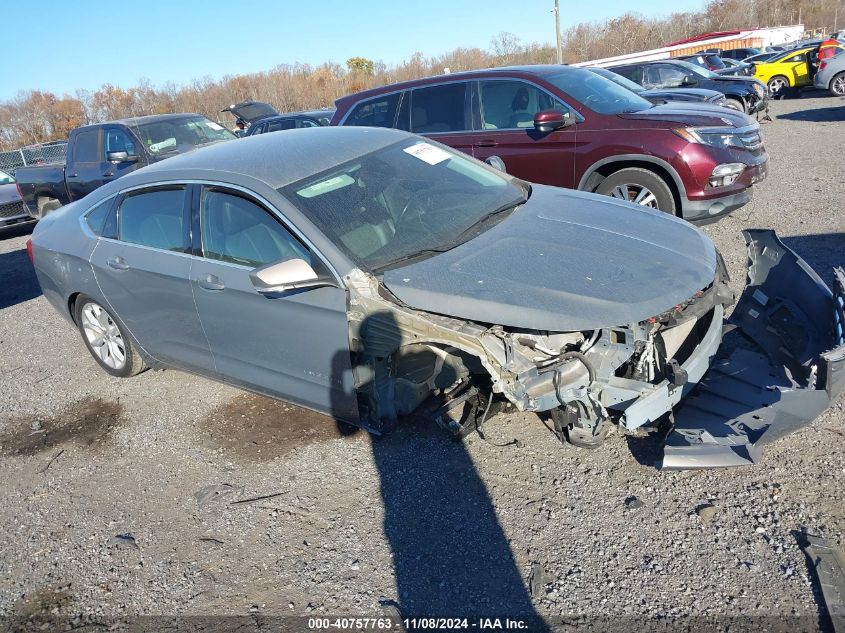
103,336
776,85
837,86
636,194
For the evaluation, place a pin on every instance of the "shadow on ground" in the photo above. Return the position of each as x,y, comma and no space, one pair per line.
451,557
18,282
821,251
817,115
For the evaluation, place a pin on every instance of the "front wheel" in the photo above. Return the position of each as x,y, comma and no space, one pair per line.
639,186
837,85
106,340
734,104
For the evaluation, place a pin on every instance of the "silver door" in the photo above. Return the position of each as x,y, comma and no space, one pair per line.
144,276
291,345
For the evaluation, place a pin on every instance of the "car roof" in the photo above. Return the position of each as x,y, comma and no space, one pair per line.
140,120
540,70
274,159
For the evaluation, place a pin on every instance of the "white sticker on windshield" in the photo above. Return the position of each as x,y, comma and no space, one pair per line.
213,125
428,153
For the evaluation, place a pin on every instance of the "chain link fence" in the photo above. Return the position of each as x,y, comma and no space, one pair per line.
33,155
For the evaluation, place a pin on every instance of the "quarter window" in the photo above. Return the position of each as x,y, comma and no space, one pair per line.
154,218
439,109
238,231
96,218
378,112
513,104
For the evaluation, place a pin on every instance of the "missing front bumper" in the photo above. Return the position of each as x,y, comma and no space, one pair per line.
778,371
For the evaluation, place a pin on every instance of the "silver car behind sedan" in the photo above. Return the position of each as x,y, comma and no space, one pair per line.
831,75
371,274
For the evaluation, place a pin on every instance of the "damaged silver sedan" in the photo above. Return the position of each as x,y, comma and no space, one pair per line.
371,275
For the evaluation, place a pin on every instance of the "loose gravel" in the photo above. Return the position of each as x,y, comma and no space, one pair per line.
99,518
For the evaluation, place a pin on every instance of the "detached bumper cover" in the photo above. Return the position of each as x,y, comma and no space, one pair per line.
776,372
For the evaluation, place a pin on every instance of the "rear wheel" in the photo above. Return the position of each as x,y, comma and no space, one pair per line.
639,186
778,86
46,205
734,104
106,340
837,85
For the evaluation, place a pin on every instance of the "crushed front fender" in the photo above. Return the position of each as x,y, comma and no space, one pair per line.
781,364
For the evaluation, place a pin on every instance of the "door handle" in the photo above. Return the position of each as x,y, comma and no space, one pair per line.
488,142
118,263
74,176
210,282
108,173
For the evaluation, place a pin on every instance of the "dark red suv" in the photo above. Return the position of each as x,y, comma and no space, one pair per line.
570,127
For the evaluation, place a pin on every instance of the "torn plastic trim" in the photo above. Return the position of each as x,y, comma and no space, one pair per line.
778,371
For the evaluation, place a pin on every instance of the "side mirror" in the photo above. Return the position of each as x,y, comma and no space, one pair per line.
688,81
121,157
551,120
290,274
495,161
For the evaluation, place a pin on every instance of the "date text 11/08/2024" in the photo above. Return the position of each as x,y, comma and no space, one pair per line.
384,624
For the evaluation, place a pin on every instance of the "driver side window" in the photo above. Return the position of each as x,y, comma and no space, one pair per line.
670,76
513,104
238,231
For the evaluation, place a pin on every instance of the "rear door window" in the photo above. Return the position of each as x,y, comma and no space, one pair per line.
439,109
155,219
282,124
86,147
513,104
377,112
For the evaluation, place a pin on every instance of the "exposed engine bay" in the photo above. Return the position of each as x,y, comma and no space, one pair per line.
628,377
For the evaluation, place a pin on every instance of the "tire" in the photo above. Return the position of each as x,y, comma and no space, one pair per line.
778,86
837,85
115,352
640,186
734,104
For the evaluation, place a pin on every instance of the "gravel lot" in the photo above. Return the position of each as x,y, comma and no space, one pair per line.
350,524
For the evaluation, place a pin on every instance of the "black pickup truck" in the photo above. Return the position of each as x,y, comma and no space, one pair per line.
97,154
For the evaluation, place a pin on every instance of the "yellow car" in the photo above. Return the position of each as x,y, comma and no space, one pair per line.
790,69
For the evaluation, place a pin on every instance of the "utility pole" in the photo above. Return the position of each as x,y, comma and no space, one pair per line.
556,11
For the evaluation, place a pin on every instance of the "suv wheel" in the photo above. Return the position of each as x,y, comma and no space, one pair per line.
778,85
837,85
639,186
734,104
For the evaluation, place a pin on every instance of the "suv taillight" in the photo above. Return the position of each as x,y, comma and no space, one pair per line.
20,191
29,252
822,64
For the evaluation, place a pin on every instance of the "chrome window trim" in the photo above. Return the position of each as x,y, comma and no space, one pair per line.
342,121
226,185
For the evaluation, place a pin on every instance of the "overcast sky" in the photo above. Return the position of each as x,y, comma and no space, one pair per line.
86,43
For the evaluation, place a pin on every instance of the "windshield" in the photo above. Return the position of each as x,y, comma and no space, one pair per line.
6,179
409,199
180,135
597,93
698,70
618,79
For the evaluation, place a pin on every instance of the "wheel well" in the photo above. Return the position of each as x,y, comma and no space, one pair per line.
71,305
606,170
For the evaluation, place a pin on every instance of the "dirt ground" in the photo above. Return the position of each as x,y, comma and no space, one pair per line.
171,494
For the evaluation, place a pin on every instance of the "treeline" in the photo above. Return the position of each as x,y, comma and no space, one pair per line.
36,116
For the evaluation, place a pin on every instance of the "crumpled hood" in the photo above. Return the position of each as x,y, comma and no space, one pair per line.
564,261
704,114
695,95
